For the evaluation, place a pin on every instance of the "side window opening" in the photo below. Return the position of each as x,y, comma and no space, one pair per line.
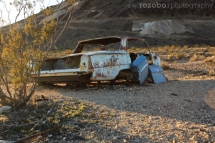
113,46
136,48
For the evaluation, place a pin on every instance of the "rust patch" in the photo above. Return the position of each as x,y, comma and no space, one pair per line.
113,60
99,75
90,65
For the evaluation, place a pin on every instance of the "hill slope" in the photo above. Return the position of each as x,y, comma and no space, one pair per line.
185,22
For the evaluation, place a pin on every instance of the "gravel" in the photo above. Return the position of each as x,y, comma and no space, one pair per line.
175,111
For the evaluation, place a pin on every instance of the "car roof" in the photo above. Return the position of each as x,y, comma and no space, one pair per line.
106,40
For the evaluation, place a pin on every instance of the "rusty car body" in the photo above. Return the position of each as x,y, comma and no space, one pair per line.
105,64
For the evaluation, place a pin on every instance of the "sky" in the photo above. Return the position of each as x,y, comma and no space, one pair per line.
13,11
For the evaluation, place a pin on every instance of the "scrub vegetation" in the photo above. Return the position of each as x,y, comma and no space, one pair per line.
22,46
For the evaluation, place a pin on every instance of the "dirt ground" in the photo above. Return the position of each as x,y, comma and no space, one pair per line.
175,111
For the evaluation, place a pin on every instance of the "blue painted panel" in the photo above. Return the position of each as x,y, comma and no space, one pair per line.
140,68
155,69
157,74
139,60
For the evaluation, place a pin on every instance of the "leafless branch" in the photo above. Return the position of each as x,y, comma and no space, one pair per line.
8,11
35,135
70,14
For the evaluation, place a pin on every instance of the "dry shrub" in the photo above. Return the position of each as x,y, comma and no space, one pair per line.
213,53
201,57
210,59
185,47
23,49
138,49
175,56
197,58
57,53
162,49
179,56
170,57
211,72
171,49
196,46
155,49
211,49
193,58
209,54
66,52
165,65
186,54
174,48
130,51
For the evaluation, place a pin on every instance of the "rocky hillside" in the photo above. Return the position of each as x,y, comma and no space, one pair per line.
184,22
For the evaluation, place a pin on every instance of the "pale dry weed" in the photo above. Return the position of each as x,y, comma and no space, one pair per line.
210,59
165,65
195,58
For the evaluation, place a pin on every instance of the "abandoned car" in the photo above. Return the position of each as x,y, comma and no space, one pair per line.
104,59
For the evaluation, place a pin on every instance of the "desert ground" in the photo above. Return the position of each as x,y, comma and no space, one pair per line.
180,110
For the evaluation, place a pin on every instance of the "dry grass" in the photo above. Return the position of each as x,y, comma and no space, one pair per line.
60,53
197,58
210,59
193,58
185,47
3,118
175,56
135,49
165,65
179,56
211,72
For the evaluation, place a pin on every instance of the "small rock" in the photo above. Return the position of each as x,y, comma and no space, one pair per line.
50,135
64,138
40,103
1,111
174,141
61,100
78,138
63,141
4,141
80,125
59,137
115,138
5,109
174,94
